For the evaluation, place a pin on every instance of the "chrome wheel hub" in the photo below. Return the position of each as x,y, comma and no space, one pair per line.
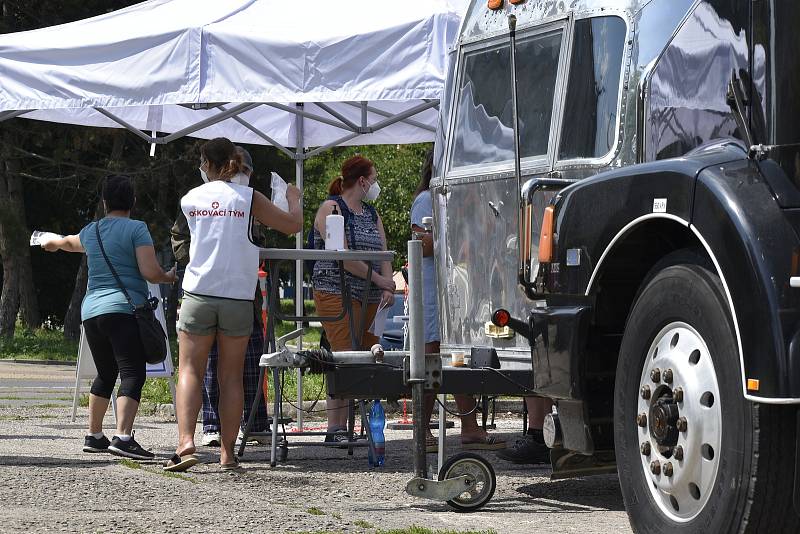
679,422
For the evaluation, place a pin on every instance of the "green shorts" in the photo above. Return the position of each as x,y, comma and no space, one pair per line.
205,316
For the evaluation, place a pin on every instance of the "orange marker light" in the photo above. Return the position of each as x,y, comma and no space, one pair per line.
546,237
752,384
495,4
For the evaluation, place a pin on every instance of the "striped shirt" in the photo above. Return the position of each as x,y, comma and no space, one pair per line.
326,272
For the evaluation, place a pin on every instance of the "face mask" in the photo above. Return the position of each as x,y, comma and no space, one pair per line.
203,175
372,193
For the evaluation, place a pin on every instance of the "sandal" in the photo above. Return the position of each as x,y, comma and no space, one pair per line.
179,464
488,443
231,466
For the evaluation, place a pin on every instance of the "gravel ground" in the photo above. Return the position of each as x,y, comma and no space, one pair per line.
47,484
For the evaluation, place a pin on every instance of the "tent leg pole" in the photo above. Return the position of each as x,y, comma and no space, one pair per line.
298,293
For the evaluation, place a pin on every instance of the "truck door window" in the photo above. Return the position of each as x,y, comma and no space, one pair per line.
483,129
590,110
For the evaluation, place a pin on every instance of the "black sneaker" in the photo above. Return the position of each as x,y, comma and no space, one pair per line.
129,449
339,439
93,444
526,450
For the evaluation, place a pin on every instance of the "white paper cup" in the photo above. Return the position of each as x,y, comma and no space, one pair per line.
457,358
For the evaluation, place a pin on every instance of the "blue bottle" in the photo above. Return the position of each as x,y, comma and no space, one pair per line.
377,420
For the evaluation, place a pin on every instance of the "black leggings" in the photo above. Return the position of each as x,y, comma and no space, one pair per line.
116,349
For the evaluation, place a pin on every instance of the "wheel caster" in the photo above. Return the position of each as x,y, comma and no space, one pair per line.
480,470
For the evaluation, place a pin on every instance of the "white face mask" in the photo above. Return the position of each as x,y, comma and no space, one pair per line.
372,193
203,175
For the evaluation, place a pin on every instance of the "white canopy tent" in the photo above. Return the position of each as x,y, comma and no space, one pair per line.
360,72
295,75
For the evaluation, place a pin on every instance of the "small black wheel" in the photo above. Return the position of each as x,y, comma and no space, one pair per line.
479,493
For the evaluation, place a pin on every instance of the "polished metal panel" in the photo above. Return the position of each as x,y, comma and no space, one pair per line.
476,206
688,87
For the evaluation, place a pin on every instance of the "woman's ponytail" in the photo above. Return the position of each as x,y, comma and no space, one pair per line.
232,167
336,186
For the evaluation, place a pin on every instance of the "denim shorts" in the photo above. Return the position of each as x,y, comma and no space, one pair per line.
205,316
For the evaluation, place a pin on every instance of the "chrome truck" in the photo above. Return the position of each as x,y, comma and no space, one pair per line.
617,205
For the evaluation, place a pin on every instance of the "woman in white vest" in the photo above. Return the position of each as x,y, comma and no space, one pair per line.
218,292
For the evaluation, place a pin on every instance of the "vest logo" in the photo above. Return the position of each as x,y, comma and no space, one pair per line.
216,212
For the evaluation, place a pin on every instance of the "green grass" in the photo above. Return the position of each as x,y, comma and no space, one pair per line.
39,344
156,391
12,418
363,524
315,511
130,464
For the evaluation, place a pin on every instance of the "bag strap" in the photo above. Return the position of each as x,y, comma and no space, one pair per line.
113,271
348,218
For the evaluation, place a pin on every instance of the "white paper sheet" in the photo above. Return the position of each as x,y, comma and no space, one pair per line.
379,324
38,237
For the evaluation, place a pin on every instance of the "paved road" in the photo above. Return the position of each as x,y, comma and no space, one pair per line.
47,484
27,384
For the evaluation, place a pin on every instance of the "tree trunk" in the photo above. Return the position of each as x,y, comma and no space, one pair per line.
72,319
9,300
12,234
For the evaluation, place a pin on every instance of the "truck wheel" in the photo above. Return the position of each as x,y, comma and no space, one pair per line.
693,454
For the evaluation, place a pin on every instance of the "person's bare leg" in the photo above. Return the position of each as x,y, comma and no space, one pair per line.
230,371
470,431
192,359
337,413
537,409
97,411
126,413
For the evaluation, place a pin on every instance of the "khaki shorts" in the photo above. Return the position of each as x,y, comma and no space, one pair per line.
338,332
205,316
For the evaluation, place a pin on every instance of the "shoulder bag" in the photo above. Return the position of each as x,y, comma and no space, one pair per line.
154,339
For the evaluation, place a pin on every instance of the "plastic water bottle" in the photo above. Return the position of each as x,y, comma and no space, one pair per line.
377,420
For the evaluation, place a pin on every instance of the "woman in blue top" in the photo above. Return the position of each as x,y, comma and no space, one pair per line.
472,436
108,322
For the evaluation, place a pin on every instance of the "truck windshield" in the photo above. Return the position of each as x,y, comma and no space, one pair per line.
483,130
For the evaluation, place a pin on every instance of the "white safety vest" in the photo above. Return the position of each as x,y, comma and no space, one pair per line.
223,262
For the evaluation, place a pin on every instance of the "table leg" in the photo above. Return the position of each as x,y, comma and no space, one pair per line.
276,415
365,426
253,410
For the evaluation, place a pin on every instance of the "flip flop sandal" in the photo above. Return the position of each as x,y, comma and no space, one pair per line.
490,443
231,466
178,464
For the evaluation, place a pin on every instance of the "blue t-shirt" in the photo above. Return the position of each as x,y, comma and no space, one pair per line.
423,207
121,236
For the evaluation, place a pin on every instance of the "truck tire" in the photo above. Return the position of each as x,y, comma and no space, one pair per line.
694,456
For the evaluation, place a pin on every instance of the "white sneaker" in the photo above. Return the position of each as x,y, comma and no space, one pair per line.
210,439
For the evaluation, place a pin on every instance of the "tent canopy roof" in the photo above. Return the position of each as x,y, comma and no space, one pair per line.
240,68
